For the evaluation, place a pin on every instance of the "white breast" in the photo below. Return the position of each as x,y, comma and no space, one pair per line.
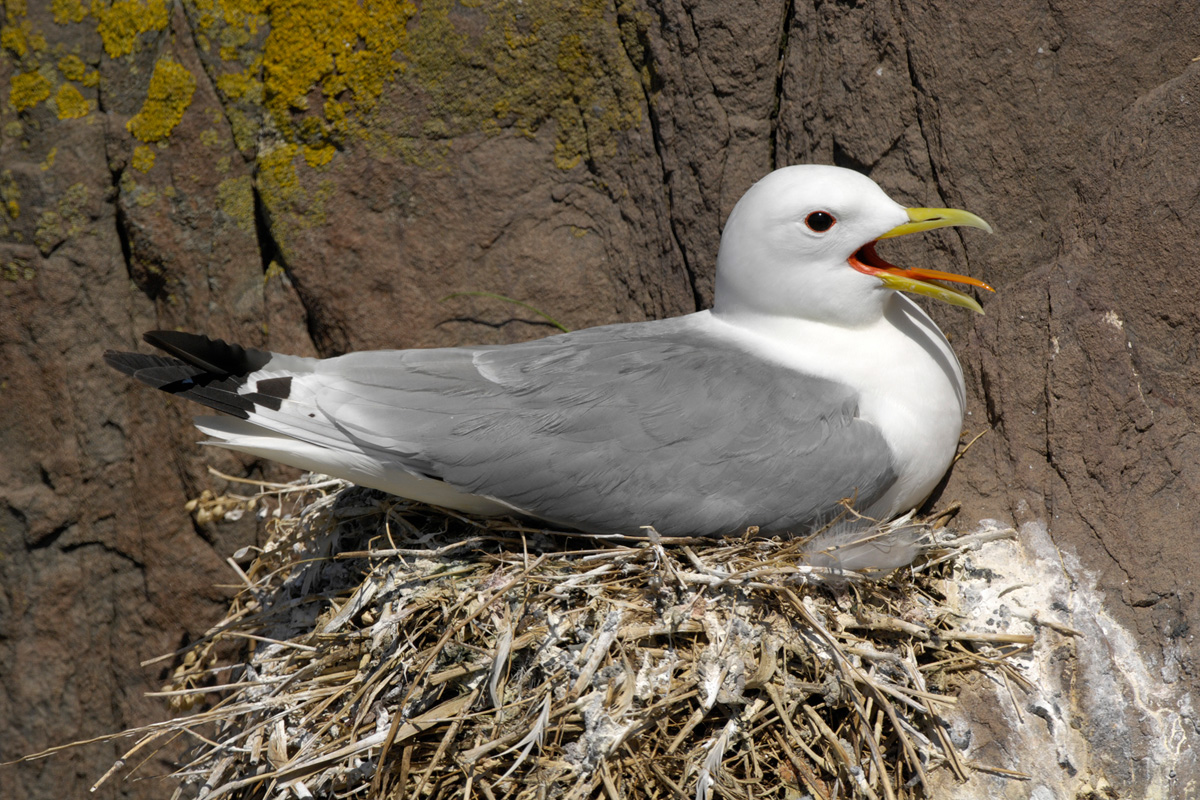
909,380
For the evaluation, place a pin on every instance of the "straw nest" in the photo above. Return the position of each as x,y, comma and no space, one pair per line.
378,648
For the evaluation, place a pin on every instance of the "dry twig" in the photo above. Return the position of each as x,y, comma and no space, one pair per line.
487,660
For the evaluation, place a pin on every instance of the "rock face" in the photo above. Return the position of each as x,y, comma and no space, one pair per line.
316,177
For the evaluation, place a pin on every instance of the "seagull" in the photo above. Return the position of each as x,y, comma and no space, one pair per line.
811,384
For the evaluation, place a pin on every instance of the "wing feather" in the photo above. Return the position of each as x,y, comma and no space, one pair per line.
610,428
659,423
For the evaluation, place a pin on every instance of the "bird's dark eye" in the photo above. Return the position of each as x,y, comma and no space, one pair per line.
819,221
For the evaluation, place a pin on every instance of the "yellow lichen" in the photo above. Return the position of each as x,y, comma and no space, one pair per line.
48,164
10,194
72,67
14,10
68,219
143,158
15,271
312,42
91,79
68,11
49,232
17,35
237,85
337,123
292,207
325,69
12,39
274,270
28,89
235,197
122,22
133,192
337,46
319,156
170,93
248,14
535,62
276,173
70,103
510,64
72,202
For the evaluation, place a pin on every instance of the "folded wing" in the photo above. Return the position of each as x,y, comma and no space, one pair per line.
602,430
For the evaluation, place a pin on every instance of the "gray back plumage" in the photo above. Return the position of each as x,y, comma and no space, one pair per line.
610,428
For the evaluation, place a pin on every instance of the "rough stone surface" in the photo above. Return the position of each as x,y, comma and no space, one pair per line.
307,177
1062,728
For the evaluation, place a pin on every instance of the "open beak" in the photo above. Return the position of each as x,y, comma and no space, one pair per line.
919,281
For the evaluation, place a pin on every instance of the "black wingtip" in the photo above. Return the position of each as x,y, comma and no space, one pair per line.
128,363
213,355
208,371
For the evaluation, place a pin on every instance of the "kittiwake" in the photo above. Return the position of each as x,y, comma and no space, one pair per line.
811,383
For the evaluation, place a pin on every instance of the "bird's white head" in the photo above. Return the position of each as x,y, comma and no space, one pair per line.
801,243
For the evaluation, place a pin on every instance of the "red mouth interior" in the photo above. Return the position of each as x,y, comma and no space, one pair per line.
867,261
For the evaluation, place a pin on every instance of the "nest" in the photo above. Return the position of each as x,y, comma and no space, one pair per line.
378,648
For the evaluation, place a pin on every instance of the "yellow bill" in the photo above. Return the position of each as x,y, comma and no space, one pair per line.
919,281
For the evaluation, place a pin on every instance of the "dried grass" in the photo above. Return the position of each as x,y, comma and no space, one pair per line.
387,650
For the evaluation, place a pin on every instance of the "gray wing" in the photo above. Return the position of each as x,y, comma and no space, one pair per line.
610,428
